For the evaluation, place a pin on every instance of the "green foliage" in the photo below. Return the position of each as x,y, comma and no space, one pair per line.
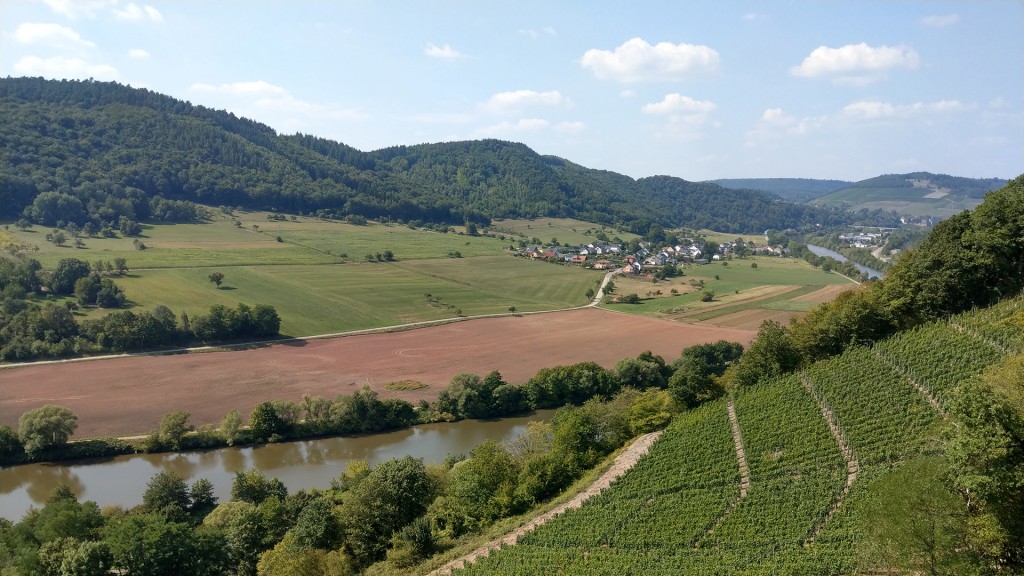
855,317
247,163
389,498
913,522
66,273
969,260
253,487
167,494
231,426
173,427
771,354
46,427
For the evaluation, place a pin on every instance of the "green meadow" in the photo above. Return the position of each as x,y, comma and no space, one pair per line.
738,283
565,230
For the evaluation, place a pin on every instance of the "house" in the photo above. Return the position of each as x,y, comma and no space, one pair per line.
602,264
578,258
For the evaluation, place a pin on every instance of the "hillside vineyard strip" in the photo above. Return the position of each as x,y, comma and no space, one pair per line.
658,518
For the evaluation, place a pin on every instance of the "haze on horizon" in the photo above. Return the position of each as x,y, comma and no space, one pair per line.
838,90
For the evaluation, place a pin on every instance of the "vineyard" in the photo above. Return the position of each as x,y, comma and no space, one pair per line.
680,510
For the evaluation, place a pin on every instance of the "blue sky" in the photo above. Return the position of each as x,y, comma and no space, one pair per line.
723,89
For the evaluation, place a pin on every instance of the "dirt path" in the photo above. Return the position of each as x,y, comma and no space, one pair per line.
623,462
852,466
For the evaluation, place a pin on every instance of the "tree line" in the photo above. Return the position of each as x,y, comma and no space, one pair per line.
30,330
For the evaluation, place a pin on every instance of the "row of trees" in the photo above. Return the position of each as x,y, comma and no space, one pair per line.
399,512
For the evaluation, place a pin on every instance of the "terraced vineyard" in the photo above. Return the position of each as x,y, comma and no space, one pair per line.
680,510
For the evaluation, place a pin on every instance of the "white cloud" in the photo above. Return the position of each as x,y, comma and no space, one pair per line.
627,94
138,53
876,109
49,34
570,127
75,9
637,61
775,124
504,102
63,67
134,12
855,63
675,102
261,99
940,21
506,127
445,52
750,16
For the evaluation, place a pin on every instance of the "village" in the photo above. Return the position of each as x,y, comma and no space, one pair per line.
609,256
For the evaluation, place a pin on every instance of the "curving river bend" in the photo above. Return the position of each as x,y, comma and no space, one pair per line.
302,464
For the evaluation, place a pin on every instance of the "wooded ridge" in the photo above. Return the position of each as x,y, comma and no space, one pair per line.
79,151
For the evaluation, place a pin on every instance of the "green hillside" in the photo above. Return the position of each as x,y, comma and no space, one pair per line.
916,194
814,496
792,189
94,152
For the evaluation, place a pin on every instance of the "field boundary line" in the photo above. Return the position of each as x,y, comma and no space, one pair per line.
261,343
622,464
852,465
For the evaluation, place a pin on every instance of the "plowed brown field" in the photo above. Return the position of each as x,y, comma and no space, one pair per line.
124,396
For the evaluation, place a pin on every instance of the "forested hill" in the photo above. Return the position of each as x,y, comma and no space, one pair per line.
78,151
792,189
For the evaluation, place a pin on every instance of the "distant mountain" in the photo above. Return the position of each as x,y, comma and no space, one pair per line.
78,151
792,189
917,194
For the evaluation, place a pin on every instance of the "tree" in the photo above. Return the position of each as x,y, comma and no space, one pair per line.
46,427
512,310
253,487
707,295
216,278
231,426
771,354
109,295
753,265
693,382
167,494
59,238
317,526
265,422
173,427
86,289
150,544
390,497
66,273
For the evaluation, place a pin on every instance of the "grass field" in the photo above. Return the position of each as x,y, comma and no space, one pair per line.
323,299
566,230
319,280
777,284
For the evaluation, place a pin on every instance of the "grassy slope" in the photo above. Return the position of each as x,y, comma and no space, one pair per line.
767,279
335,294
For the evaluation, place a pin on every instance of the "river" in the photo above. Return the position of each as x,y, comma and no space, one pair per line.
822,251
302,464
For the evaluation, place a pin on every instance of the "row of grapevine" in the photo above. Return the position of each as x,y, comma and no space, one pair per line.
796,470
1002,324
678,511
883,418
938,356
689,477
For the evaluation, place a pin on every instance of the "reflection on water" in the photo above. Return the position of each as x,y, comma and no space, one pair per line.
822,251
306,464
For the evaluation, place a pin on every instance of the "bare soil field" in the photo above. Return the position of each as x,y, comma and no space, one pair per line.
125,396
751,319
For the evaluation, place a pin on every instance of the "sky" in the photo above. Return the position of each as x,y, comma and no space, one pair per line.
698,90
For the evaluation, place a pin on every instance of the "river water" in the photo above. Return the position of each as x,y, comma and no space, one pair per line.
822,251
304,464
